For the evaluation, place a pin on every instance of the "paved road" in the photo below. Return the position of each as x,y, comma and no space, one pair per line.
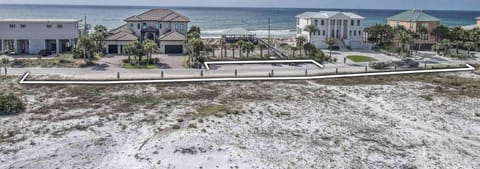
107,72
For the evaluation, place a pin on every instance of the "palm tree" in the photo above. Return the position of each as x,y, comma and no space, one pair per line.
98,38
470,46
422,31
138,51
445,44
249,47
240,45
310,29
300,41
294,49
223,48
86,43
404,38
149,47
330,42
214,48
129,50
308,47
196,45
437,47
476,37
261,46
457,35
441,32
232,46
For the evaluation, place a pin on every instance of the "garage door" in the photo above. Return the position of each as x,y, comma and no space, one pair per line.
173,49
112,49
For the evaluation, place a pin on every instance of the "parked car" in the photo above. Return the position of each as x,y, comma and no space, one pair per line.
380,65
408,63
45,52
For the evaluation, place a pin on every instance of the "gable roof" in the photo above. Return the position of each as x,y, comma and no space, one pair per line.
121,33
413,15
172,36
166,15
329,14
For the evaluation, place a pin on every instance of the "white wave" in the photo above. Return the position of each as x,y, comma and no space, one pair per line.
216,33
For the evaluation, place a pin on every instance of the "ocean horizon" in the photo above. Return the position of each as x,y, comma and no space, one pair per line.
213,20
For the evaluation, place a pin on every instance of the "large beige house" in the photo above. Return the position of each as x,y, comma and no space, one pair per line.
164,26
414,20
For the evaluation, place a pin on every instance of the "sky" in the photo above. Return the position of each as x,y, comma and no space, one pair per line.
353,4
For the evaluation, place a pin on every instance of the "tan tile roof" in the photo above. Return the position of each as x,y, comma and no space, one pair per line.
172,36
165,15
121,33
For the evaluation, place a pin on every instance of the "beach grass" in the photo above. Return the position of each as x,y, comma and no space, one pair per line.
360,58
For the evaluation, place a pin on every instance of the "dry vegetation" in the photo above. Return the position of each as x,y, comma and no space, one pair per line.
408,121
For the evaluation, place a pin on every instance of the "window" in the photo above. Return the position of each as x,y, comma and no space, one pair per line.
359,33
59,26
323,22
159,26
354,33
323,33
333,22
350,32
144,25
138,26
11,25
358,22
314,33
425,25
298,21
352,23
411,25
131,25
316,22
424,37
23,26
49,26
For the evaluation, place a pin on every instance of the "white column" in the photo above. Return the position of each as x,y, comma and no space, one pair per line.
29,47
15,47
328,28
342,29
348,28
3,45
58,45
335,28
118,49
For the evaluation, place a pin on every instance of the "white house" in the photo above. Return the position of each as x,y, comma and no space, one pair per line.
345,26
29,36
164,26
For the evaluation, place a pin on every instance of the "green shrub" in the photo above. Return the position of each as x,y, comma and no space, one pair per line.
176,126
458,55
10,104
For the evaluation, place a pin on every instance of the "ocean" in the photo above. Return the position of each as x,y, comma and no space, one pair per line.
214,20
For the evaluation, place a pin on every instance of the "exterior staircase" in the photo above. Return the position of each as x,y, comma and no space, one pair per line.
342,47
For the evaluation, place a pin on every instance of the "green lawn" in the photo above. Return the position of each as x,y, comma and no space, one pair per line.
130,66
360,58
